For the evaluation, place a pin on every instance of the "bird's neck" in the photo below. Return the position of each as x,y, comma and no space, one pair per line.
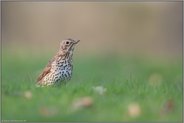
65,56
68,56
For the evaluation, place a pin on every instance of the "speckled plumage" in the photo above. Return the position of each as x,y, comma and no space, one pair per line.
60,68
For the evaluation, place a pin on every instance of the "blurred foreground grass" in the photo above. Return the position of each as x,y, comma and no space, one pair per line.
137,89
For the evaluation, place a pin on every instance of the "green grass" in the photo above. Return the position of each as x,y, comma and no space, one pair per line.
126,80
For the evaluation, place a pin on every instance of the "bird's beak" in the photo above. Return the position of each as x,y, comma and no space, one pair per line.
77,41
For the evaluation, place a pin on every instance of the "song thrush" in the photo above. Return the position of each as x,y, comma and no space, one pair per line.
60,68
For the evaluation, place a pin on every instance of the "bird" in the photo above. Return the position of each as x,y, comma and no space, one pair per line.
60,67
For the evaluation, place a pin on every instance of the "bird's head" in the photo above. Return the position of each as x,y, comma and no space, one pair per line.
68,45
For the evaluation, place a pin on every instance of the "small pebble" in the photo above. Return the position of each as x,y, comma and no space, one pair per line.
100,90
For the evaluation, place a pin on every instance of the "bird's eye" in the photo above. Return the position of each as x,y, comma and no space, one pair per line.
67,42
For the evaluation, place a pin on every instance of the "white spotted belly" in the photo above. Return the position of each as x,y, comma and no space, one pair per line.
58,74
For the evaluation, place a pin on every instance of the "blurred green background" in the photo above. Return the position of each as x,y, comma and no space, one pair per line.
133,50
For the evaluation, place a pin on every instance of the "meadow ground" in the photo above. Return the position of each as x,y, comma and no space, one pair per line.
137,89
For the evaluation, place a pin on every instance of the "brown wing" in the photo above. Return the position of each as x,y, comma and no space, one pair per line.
46,70
48,67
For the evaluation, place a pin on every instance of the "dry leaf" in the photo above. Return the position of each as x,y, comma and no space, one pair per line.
45,111
134,110
83,102
168,107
